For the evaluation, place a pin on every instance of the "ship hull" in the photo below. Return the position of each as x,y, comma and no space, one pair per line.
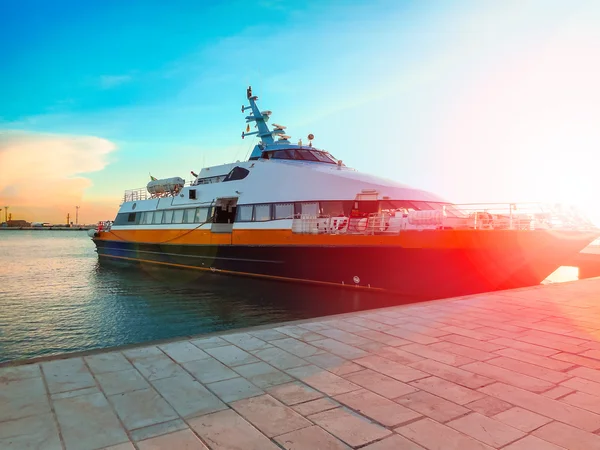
421,273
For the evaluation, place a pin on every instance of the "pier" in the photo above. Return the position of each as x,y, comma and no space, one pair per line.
514,370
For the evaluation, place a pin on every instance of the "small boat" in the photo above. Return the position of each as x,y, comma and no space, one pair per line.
294,212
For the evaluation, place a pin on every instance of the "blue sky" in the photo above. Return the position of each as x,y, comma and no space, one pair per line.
473,100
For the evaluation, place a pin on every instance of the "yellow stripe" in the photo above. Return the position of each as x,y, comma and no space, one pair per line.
246,274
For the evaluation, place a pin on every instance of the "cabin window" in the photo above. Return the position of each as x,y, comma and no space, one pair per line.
201,214
307,155
284,210
188,215
244,213
131,217
178,216
157,217
262,213
192,194
336,209
310,208
167,216
147,219
237,173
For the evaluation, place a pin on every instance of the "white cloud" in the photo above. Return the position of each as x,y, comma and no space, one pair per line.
41,174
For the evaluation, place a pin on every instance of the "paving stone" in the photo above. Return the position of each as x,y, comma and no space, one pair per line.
351,428
485,429
181,440
585,372
383,338
557,392
67,375
538,360
153,363
75,393
339,348
508,376
183,352
35,432
379,383
532,443
532,370
19,373
280,358
432,406
209,370
142,408
334,364
293,393
584,401
344,336
157,430
473,343
435,436
268,335
568,436
310,438
577,360
23,397
209,342
269,415
234,389
391,368
315,406
398,355
378,408
246,341
525,346
522,419
411,336
451,373
323,380
122,381
300,333
263,375
554,409
489,406
296,347
228,430
123,446
480,335
107,362
423,329
448,390
394,442
188,397
440,356
231,355
583,385
88,422
461,350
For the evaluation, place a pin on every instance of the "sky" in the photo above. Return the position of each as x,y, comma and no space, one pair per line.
477,101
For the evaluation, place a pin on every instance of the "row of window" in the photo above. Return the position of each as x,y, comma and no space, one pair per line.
270,211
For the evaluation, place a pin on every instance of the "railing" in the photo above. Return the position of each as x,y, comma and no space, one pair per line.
522,216
104,225
135,195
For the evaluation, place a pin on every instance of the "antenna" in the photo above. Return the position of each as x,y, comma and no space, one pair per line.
77,215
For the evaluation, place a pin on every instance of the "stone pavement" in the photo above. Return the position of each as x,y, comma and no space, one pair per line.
517,370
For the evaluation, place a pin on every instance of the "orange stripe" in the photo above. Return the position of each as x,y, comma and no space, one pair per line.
246,274
438,239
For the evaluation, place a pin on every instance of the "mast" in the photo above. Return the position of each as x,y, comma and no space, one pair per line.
258,117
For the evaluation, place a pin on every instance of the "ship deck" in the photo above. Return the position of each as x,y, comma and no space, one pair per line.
517,370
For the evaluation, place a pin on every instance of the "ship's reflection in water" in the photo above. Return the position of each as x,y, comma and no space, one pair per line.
127,304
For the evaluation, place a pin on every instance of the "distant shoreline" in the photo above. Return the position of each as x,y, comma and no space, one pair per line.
75,228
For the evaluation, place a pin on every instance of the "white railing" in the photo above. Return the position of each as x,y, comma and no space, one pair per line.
493,216
135,195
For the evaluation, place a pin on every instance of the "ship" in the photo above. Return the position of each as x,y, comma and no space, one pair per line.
294,212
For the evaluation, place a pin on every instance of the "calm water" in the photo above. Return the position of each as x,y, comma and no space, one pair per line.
56,297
